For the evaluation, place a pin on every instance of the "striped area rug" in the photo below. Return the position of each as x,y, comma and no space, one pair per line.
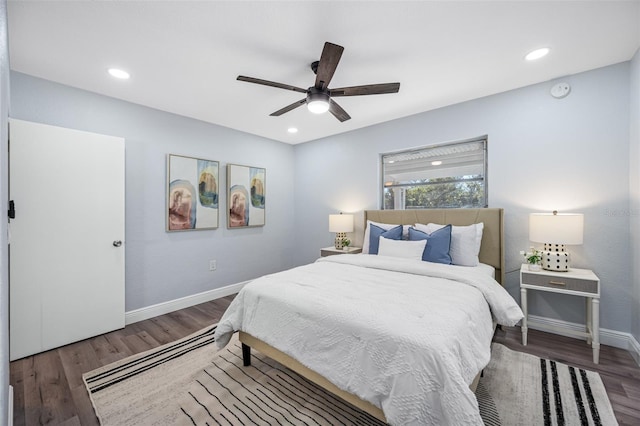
522,389
187,382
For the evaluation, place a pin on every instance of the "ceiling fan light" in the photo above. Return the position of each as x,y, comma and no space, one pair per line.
318,107
318,102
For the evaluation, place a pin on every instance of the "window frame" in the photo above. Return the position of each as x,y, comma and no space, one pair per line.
484,139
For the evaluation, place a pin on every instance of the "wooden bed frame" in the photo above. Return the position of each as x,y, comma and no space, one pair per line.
491,253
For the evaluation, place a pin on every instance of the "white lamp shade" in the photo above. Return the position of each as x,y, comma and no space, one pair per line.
560,228
340,223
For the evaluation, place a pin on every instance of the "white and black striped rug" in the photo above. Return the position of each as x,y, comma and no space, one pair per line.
522,389
186,382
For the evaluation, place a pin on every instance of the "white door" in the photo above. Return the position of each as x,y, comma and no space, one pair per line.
66,270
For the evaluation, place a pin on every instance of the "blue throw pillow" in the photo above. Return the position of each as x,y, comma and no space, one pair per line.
438,244
375,232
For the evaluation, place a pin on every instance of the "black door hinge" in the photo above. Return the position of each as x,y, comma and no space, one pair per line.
12,210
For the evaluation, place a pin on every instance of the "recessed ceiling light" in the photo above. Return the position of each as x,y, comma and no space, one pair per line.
537,54
436,163
118,73
292,130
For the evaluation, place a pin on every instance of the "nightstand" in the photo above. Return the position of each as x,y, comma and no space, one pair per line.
575,282
330,251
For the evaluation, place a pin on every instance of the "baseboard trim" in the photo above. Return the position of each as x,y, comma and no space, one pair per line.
608,337
635,349
147,312
10,407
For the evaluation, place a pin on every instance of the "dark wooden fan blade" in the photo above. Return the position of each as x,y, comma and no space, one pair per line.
331,55
369,89
271,83
289,107
337,111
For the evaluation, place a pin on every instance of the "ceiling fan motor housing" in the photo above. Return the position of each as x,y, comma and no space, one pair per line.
314,94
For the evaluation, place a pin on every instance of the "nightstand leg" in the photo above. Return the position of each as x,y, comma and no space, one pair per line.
589,320
595,327
523,304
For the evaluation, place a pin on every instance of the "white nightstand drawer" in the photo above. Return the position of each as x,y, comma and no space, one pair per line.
559,282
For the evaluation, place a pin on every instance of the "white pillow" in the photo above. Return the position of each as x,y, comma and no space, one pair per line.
386,227
465,242
399,248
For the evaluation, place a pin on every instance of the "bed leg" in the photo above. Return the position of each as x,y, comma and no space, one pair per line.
246,355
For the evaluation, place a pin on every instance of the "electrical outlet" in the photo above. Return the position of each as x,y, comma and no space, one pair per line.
213,265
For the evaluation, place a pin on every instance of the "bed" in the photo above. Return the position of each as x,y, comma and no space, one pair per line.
414,360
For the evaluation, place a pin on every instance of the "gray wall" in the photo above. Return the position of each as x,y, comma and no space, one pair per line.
4,279
544,154
162,266
634,216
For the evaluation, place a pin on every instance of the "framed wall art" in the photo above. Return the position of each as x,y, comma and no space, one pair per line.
246,195
192,193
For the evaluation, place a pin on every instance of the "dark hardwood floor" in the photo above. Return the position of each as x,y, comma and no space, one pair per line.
48,387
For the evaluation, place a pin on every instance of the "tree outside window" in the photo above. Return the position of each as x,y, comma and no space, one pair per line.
443,176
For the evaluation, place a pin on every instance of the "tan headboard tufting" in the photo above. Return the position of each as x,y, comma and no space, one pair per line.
492,248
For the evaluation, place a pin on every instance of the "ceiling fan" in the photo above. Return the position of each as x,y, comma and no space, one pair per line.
319,96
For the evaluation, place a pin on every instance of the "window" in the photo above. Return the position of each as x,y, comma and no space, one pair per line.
451,175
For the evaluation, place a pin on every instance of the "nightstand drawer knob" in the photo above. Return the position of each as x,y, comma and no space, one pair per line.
557,283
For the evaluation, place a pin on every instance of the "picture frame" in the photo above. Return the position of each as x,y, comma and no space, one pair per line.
246,196
193,193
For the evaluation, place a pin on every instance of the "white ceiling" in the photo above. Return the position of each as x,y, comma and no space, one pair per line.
184,56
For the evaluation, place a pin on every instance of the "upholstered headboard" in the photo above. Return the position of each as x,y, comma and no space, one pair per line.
492,248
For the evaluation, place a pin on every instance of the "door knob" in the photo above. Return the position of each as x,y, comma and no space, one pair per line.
117,243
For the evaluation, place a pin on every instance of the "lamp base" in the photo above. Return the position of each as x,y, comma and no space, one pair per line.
339,241
555,258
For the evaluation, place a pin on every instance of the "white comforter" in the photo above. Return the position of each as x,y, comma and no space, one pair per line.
408,342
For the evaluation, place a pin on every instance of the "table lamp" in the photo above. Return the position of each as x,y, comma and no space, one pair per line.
555,230
340,224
